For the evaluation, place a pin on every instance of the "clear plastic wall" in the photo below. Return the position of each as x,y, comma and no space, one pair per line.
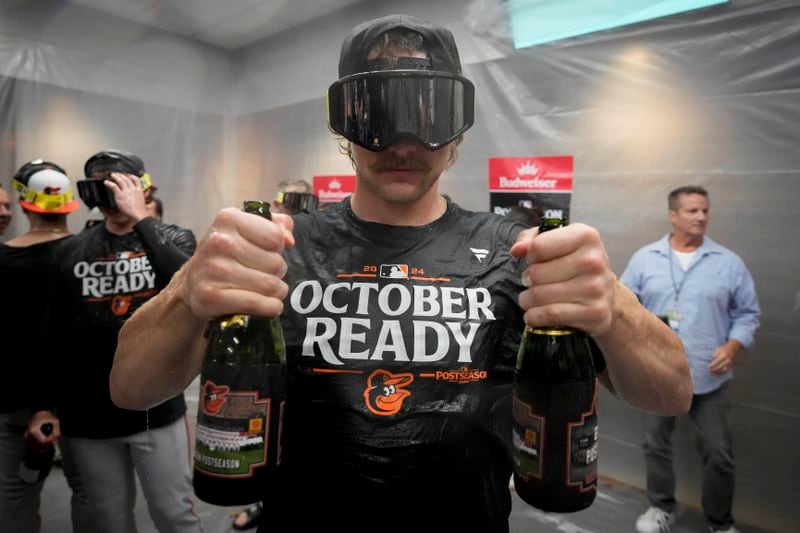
709,97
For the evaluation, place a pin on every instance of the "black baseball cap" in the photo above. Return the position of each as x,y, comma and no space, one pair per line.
439,44
114,160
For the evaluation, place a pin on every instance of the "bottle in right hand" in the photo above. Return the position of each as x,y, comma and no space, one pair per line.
37,458
555,417
240,416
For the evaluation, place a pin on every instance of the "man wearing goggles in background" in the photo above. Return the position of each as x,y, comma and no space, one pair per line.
384,301
295,197
101,276
98,190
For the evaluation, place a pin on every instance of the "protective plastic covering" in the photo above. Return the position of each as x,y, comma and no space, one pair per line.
109,83
708,97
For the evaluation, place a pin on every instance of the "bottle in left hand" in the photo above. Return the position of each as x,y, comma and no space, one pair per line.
37,458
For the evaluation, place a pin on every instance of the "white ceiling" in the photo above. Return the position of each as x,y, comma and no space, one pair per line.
227,23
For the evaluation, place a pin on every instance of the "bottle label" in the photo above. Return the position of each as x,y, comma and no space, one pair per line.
543,431
582,449
528,437
234,430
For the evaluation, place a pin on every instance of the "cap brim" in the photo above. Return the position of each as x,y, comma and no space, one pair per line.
69,207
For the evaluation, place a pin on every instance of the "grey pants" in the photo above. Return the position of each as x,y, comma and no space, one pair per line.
19,501
160,458
709,418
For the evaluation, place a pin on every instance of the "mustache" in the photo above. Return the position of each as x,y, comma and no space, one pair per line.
393,162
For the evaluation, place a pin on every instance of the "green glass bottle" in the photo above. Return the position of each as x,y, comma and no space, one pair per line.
240,411
555,417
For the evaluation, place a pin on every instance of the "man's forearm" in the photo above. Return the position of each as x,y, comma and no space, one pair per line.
645,359
160,350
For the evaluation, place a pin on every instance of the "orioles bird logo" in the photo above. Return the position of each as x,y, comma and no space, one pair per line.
384,394
214,397
120,304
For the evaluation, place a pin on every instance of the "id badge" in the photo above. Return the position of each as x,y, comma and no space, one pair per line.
674,318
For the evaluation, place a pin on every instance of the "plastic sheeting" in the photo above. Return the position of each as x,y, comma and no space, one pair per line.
709,97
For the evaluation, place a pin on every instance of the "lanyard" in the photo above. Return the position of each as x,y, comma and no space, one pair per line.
676,286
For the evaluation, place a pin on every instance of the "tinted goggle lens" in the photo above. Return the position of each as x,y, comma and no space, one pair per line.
94,193
298,202
376,108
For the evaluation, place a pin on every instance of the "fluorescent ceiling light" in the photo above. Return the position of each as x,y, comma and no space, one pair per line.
540,21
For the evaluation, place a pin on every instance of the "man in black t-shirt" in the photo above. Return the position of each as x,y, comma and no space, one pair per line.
46,198
101,276
402,312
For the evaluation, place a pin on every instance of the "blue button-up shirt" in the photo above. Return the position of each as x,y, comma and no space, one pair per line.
715,297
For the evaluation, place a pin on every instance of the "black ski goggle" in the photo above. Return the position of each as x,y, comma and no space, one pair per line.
94,192
298,202
375,109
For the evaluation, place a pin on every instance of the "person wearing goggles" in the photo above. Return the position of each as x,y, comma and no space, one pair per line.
113,175
295,197
45,196
402,312
99,279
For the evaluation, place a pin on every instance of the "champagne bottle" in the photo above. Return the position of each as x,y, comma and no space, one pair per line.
555,417
240,411
37,458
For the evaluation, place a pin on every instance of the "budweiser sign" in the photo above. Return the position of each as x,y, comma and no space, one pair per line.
334,188
513,174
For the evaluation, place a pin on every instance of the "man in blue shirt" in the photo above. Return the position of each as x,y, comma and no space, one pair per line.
706,294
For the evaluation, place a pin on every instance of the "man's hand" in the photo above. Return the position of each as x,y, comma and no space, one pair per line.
238,267
35,427
569,278
128,195
724,357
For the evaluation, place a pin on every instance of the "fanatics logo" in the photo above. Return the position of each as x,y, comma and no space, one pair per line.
480,253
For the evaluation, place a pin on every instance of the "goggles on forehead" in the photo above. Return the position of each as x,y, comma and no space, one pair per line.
298,202
94,192
375,109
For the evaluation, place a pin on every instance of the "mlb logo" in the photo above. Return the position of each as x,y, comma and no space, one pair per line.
394,271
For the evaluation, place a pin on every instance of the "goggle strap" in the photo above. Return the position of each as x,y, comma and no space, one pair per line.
49,202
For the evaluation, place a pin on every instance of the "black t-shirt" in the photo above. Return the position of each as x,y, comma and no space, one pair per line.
100,280
24,273
401,345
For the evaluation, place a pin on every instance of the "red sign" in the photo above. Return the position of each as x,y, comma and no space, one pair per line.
540,174
334,188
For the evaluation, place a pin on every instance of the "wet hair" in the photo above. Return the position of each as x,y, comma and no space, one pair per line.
301,186
673,200
395,39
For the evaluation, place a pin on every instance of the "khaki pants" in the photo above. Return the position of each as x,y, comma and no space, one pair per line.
160,458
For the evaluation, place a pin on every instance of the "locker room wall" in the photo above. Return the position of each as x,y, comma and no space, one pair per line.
710,97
